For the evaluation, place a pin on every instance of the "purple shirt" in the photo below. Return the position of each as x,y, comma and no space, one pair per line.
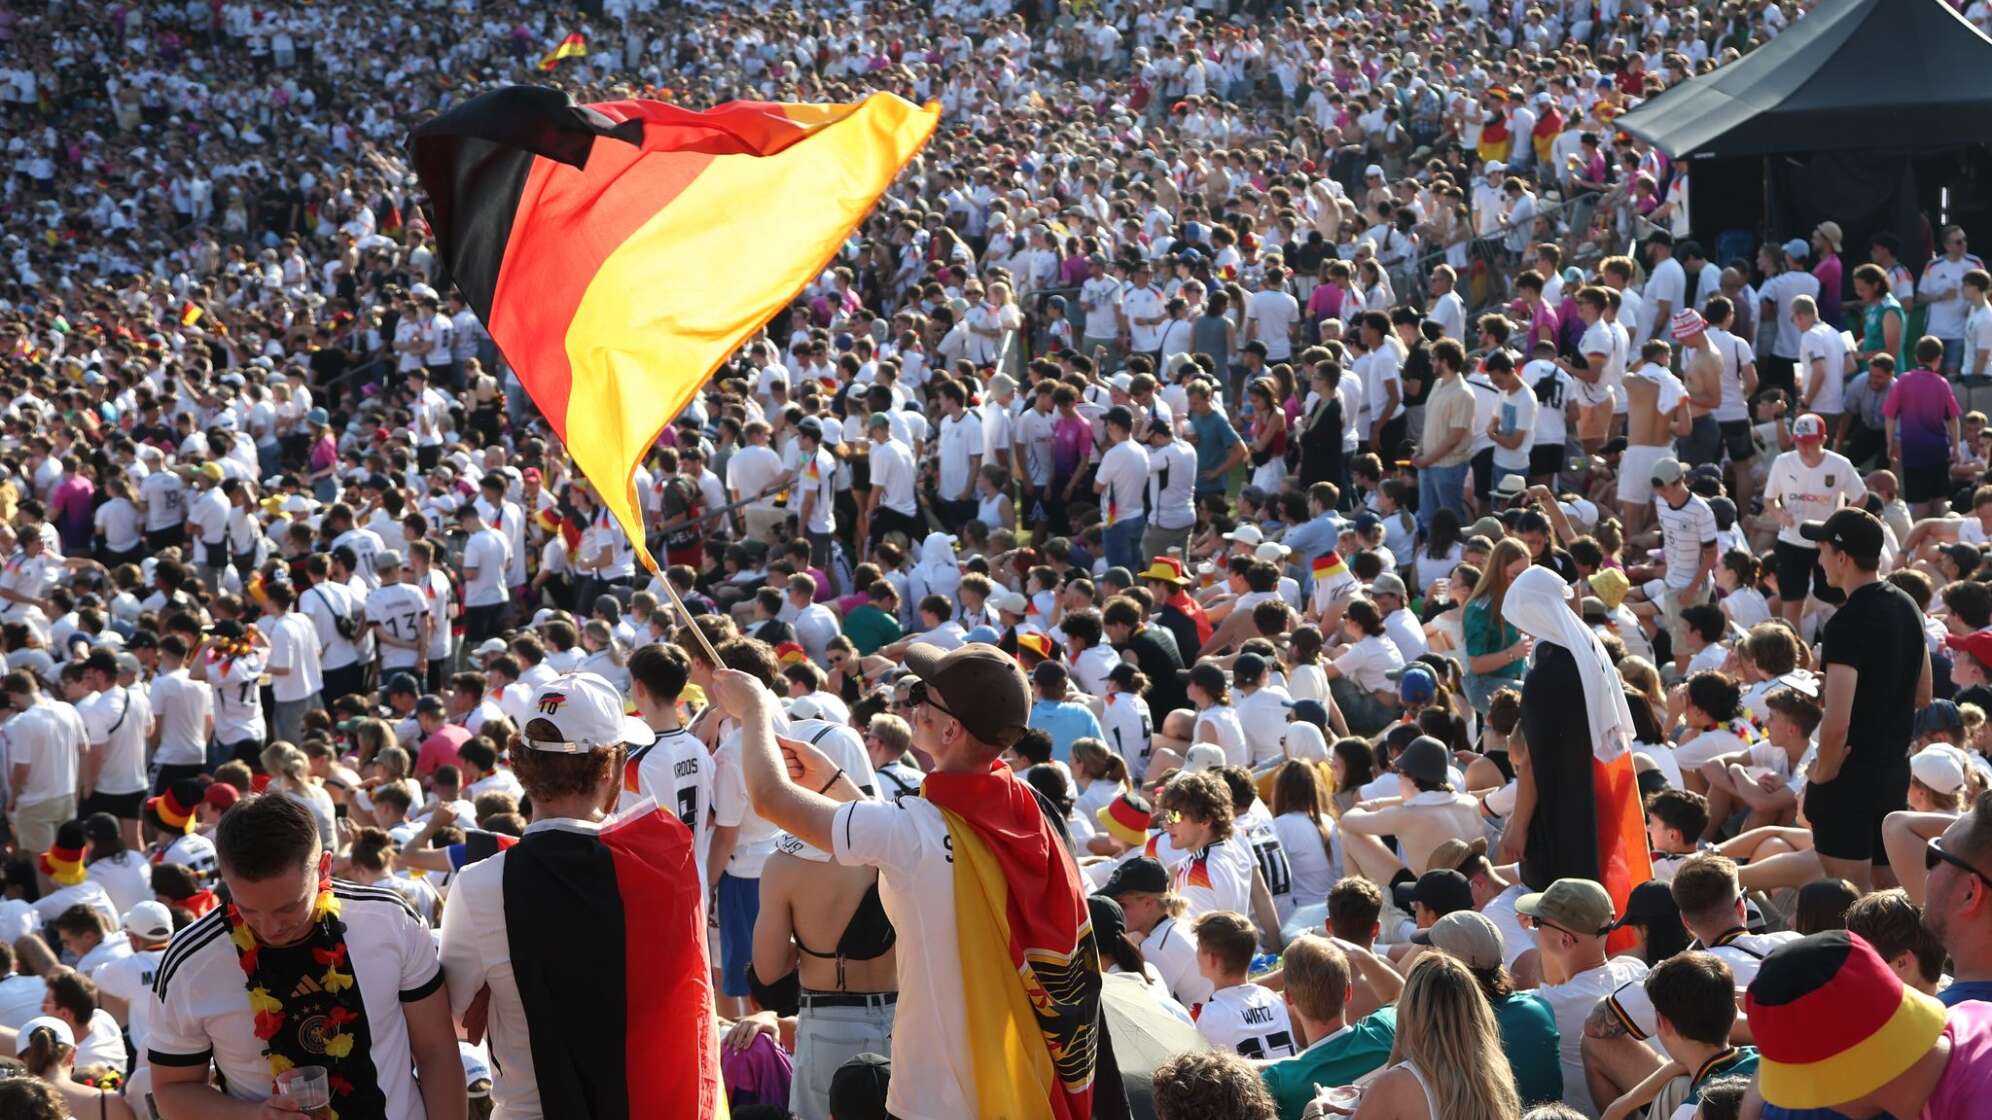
1924,404
69,505
1829,274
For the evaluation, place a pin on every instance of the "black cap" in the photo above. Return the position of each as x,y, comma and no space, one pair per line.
1204,675
430,706
400,683
1248,667
1424,760
858,1088
228,630
1120,416
1140,875
1442,891
1649,902
102,661
1855,532
810,426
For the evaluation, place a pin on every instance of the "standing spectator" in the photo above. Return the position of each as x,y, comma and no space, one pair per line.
1923,436
1777,335
1877,669
1941,291
1828,270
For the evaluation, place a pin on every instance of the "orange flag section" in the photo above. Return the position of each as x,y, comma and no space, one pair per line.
626,282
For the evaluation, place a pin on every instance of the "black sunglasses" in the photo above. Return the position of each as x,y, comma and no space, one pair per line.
1935,854
920,694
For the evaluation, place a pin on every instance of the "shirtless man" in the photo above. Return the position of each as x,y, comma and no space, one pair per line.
1657,410
1701,373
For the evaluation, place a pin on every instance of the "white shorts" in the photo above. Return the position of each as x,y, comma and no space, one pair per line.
1636,473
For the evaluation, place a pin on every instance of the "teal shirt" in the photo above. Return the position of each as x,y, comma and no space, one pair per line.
1365,1047
1739,1062
869,628
1486,634
1529,1038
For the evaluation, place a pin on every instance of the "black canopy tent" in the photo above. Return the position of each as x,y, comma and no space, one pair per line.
1863,111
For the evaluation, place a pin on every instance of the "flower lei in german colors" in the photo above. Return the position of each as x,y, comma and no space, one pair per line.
328,947
230,649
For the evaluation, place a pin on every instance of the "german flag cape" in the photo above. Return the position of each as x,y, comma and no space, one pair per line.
619,252
607,931
1030,970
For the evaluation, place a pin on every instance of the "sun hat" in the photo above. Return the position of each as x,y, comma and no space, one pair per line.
1833,1023
1125,818
63,861
1165,568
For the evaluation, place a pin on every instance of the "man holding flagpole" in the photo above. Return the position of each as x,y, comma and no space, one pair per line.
999,976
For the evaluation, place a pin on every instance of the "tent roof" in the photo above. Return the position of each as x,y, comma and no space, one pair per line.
1894,74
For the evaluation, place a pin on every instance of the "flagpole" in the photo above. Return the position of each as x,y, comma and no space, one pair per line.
691,624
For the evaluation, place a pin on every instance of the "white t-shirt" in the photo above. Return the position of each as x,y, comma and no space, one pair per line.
119,720
1255,829
1666,282
50,738
1811,493
1172,948
327,604
126,877
960,445
182,708
1366,663
1263,714
238,703
130,978
908,842
488,554
1571,1002
676,772
1218,877
294,646
1229,733
893,475
1517,413
1124,471
199,1007
1248,1020
1314,864
399,609
755,840
1127,723
1824,345
1272,314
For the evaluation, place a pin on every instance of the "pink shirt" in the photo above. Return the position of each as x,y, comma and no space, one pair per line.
1967,1080
440,749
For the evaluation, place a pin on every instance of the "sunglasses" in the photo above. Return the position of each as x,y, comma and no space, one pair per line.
1934,854
920,694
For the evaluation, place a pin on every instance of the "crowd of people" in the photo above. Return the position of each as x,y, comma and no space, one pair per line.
1279,520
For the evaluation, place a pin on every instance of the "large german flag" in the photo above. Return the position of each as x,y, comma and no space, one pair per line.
619,252
607,933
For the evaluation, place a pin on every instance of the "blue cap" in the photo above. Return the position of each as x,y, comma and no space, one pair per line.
1367,520
1311,711
983,634
1797,249
1417,685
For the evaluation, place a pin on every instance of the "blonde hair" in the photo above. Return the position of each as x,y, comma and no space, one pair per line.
1643,680
286,763
601,632
1446,1027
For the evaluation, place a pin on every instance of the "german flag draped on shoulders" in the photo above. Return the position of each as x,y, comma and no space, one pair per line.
1030,969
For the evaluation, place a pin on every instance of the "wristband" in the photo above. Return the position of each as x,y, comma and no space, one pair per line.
832,781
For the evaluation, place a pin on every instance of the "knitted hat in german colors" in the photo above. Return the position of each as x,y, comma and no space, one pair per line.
63,862
1833,1024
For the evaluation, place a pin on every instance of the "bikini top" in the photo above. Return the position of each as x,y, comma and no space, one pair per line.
867,936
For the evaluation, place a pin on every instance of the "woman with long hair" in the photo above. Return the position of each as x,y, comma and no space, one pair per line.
1445,632
1268,435
47,1047
1306,831
1353,765
1496,652
1440,554
1125,718
290,775
1447,1062
1305,680
605,655
1100,773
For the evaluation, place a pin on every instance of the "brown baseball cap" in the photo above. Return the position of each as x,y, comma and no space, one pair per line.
979,685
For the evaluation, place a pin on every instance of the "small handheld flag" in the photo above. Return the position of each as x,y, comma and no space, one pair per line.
1328,565
574,46
190,313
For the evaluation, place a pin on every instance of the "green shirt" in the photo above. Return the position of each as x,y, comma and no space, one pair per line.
1738,1062
1339,1059
869,628
1529,1038
1485,633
